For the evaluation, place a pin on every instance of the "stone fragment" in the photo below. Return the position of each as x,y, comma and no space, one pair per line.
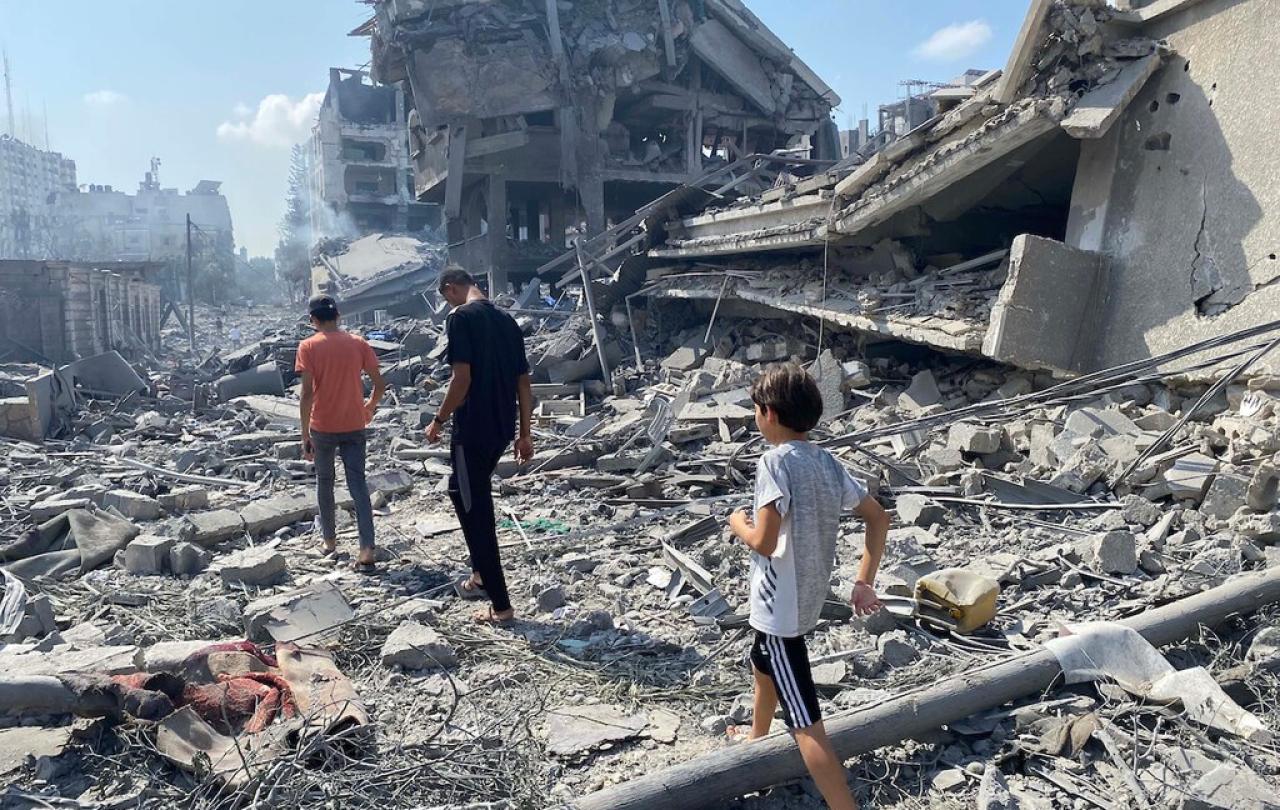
663,726
185,499
147,555
1263,486
1226,494
269,514
1137,509
993,792
254,566
188,559
1085,466
551,598
1231,787
917,510
1151,563
830,675
857,374
716,724
922,393
416,646
574,731
949,779
1115,552
895,649
975,438
1265,649
132,504
1258,528
685,358
829,376
742,709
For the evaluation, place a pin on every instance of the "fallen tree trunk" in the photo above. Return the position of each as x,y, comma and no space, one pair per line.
708,781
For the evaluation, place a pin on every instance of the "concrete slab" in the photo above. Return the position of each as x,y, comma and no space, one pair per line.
1098,109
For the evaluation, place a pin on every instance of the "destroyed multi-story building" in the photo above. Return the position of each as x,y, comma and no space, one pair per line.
529,121
1108,196
360,180
30,180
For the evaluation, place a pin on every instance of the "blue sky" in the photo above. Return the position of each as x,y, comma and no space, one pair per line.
219,90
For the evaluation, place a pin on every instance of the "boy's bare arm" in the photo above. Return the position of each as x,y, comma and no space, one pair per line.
877,523
761,536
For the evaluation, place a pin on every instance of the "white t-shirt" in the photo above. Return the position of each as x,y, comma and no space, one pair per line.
810,489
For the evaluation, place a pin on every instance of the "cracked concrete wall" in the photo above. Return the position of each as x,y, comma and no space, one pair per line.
1192,224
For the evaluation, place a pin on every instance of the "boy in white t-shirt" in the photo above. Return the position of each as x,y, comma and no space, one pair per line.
801,489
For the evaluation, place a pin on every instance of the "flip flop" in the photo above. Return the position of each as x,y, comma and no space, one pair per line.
475,591
491,618
365,567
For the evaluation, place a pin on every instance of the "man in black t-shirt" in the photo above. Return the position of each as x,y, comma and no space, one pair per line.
490,376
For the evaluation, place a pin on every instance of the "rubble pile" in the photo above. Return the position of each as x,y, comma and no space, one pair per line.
194,527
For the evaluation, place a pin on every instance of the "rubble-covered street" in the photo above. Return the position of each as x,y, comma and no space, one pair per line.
1040,308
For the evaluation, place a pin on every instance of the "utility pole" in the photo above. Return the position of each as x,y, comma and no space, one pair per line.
191,294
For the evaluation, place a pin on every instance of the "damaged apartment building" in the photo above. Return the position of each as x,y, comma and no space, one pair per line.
359,175
1109,195
532,120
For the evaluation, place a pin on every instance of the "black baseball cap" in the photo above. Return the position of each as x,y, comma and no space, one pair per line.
323,307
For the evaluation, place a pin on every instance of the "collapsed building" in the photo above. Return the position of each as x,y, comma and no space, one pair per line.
1116,155
528,122
359,176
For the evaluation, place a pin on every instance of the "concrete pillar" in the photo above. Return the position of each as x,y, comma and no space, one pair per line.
1091,194
556,219
497,236
533,213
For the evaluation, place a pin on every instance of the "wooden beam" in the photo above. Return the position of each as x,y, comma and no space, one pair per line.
1024,48
712,779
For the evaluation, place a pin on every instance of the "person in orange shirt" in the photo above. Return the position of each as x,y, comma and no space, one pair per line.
334,416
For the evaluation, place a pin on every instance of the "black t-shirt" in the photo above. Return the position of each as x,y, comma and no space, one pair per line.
490,340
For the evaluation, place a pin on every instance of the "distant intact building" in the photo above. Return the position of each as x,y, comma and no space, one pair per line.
30,179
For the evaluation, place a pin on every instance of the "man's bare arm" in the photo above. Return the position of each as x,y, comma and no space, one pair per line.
524,441
459,385
379,388
304,410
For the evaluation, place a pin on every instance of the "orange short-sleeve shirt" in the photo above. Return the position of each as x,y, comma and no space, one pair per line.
335,361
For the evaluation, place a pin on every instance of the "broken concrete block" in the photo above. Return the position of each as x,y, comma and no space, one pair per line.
1095,422
1189,476
1231,787
391,482
417,646
210,528
917,510
51,508
574,731
302,614
827,373
132,504
1082,469
185,499
147,555
922,393
685,358
1115,553
1262,529
857,374
1265,649
1263,487
269,514
896,650
188,559
551,598
975,438
1226,494
255,566
1138,509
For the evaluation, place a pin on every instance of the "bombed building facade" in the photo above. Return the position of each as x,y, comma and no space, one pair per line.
526,124
360,177
1116,155
30,179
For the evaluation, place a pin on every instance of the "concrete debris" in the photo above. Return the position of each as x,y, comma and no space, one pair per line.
574,731
254,567
416,646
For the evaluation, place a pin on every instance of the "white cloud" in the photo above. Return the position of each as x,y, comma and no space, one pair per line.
104,98
954,42
278,121
242,110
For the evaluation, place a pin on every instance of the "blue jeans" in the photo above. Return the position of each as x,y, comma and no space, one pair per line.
351,446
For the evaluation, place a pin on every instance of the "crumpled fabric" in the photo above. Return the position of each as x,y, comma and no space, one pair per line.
230,646
76,540
246,703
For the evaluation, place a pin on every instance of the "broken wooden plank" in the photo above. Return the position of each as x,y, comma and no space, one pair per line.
1098,109
1024,50
710,780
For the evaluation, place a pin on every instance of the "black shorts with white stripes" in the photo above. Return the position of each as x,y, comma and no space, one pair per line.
786,662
